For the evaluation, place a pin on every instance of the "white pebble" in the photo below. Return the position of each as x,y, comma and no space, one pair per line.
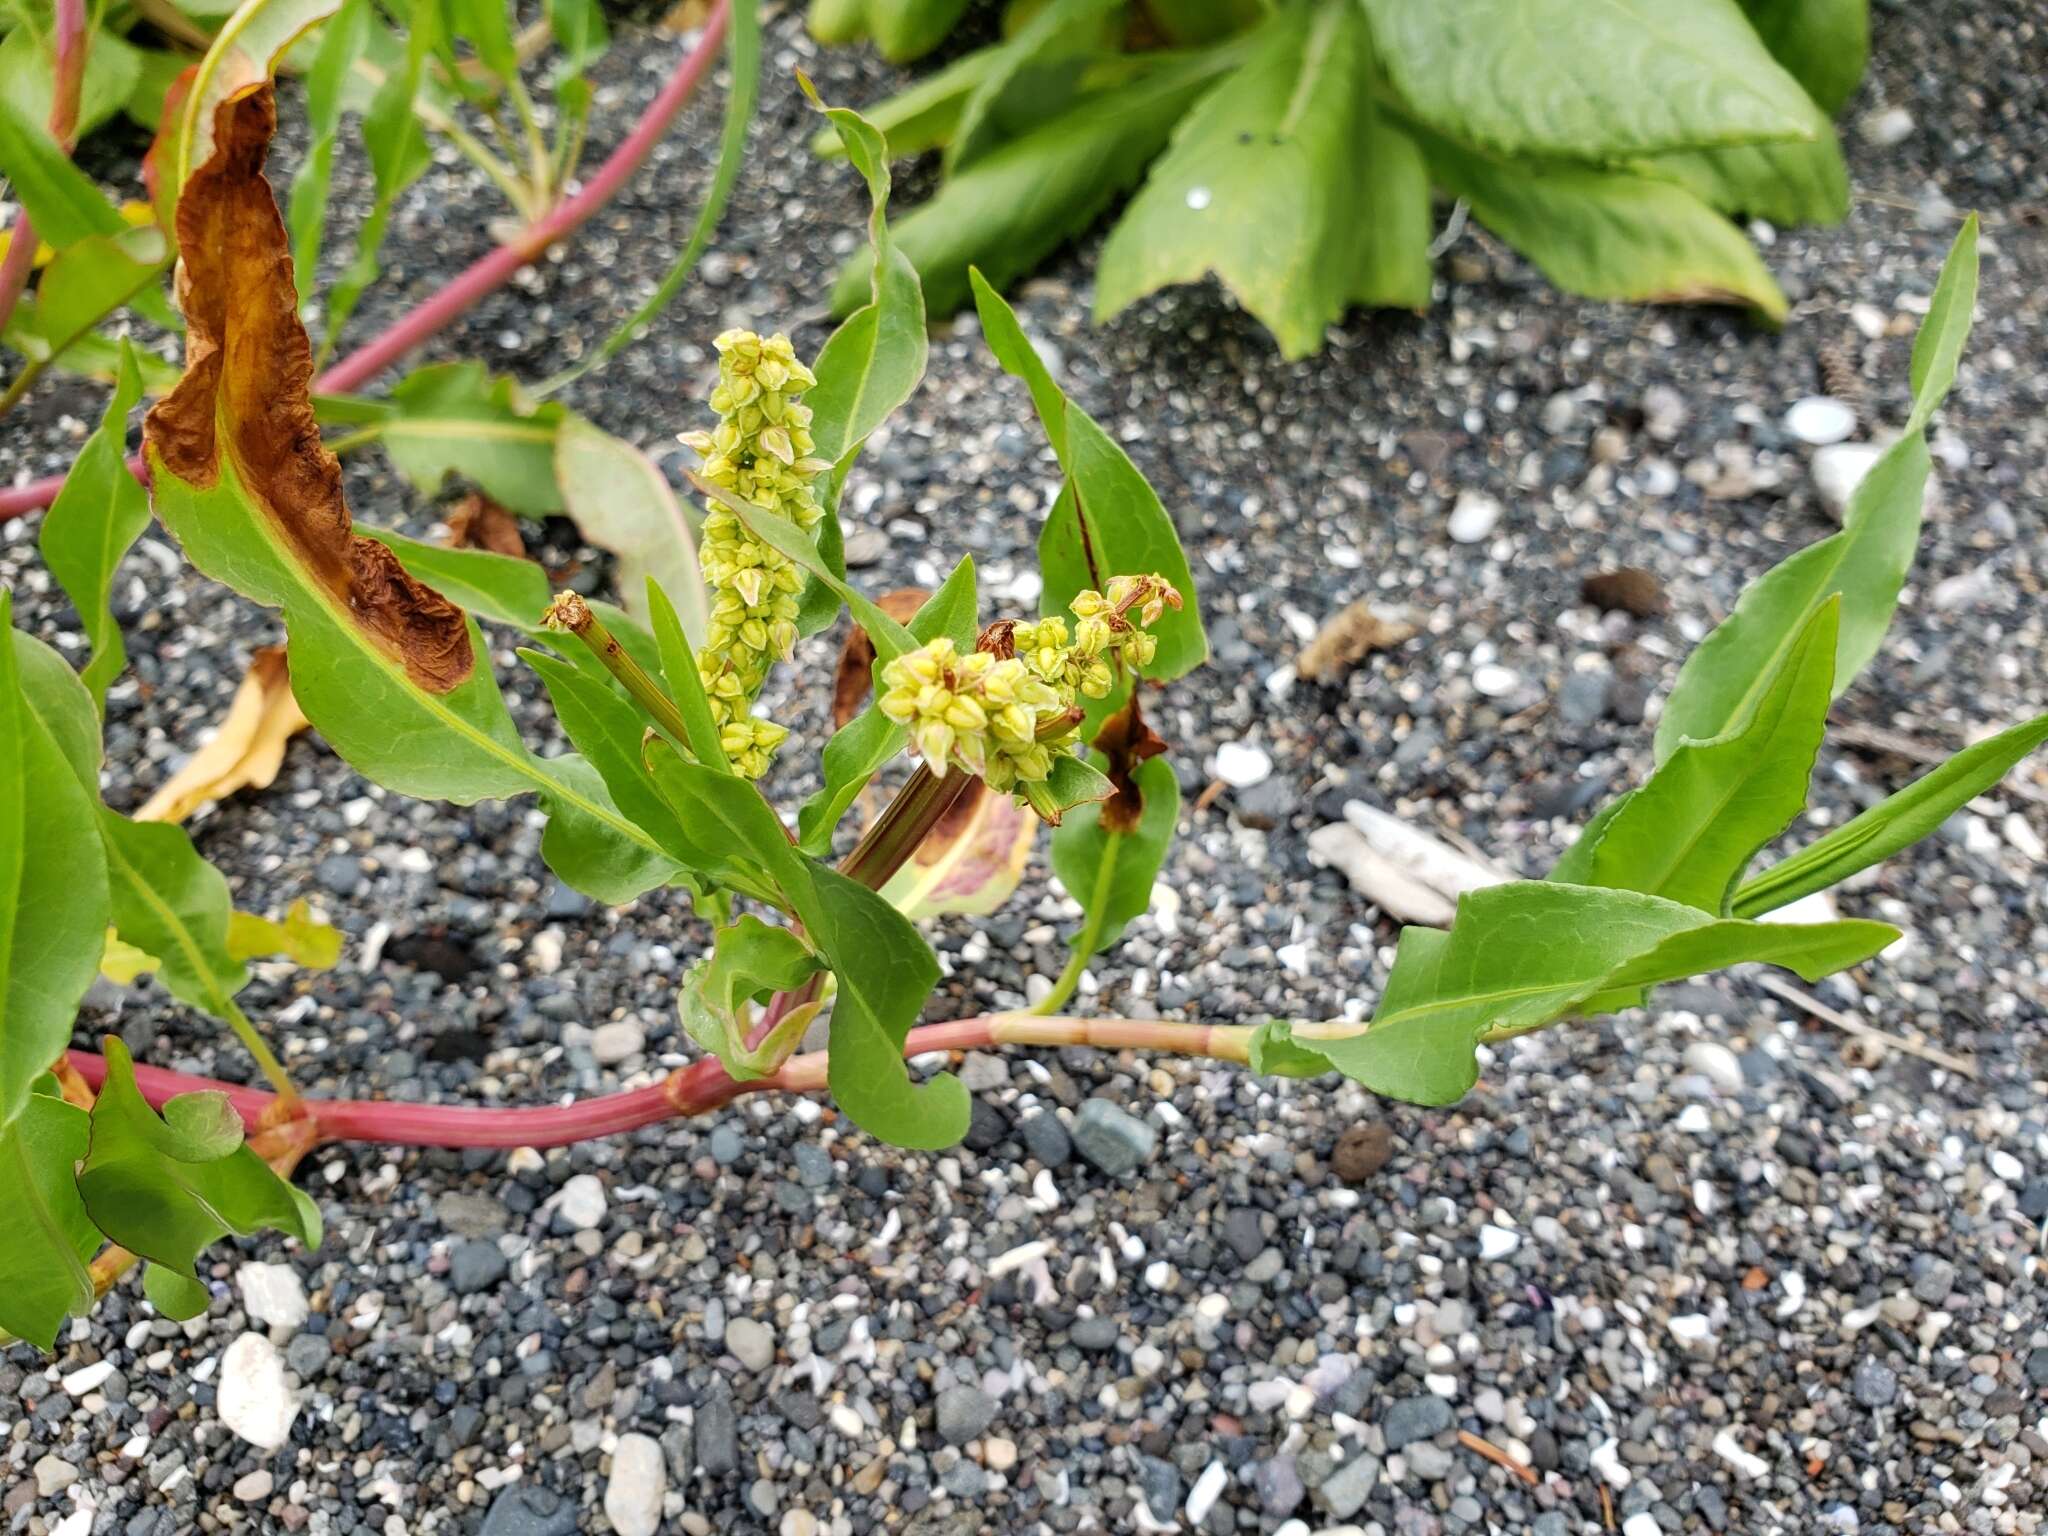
254,1401
2007,1167
273,1295
1241,766
87,1378
1496,682
581,1203
1883,129
1497,1242
1820,419
632,1497
1730,1450
617,1041
1691,1328
1473,517
1716,1063
1838,469
1207,1490
2025,841
1642,1523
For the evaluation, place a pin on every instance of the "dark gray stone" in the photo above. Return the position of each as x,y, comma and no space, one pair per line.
1114,1140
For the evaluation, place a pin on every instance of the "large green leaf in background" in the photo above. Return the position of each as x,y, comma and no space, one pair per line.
1033,75
1866,563
58,196
113,70
1610,234
168,1187
1824,44
456,419
50,1238
1107,521
1608,80
53,881
1524,954
621,501
1286,183
885,970
905,29
1690,831
1017,204
95,520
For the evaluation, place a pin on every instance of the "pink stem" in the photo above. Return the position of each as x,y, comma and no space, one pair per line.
485,275
696,1089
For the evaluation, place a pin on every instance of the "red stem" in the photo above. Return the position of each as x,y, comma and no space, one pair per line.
485,275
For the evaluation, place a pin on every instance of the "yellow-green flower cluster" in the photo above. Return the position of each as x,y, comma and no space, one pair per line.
760,453
1006,718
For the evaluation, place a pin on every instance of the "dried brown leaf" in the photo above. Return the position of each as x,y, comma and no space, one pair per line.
477,522
1630,589
1348,639
1126,740
245,398
248,749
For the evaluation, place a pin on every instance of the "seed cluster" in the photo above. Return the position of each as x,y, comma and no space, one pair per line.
760,453
1007,718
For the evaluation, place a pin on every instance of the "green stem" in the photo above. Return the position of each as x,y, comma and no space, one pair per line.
537,155
266,1061
569,612
903,825
479,154
1090,937
362,437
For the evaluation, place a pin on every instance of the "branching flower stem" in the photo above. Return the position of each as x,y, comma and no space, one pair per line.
489,272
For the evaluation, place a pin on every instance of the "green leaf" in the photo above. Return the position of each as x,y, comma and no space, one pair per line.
383,666
342,42
1071,784
924,115
246,49
1108,521
177,1296
837,21
1021,201
1262,187
1611,234
1588,82
1274,1053
908,29
53,881
884,969
749,961
113,69
579,30
1110,870
1894,823
1689,832
59,197
96,518
1866,563
1522,955
170,903
454,418
50,1239
685,682
1824,44
168,1187
300,938
859,748
1038,70
1190,23
621,501
1787,183
87,281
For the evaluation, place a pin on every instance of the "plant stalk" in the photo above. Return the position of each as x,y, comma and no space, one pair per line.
487,273
1089,939
571,613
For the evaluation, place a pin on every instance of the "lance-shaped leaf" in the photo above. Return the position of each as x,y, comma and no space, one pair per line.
1610,234
86,282
456,419
1107,521
1035,72
685,683
859,748
1823,44
50,1238
1522,955
96,518
621,501
1894,823
1866,563
749,961
381,664
342,42
168,1187
885,971
57,196
1689,832
1021,201
1108,855
1587,82
1285,183
54,906
1789,182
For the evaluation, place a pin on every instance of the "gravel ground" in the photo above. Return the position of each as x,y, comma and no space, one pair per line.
1709,1267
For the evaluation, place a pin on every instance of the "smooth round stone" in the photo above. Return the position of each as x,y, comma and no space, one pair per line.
1820,419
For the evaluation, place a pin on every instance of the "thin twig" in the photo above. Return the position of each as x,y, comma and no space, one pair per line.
1878,738
1815,1008
1497,1456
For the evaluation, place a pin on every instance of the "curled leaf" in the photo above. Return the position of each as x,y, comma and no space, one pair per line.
970,861
252,422
248,749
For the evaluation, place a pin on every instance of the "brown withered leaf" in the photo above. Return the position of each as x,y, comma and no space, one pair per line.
1348,639
1126,740
248,749
245,395
477,522
855,678
1630,589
